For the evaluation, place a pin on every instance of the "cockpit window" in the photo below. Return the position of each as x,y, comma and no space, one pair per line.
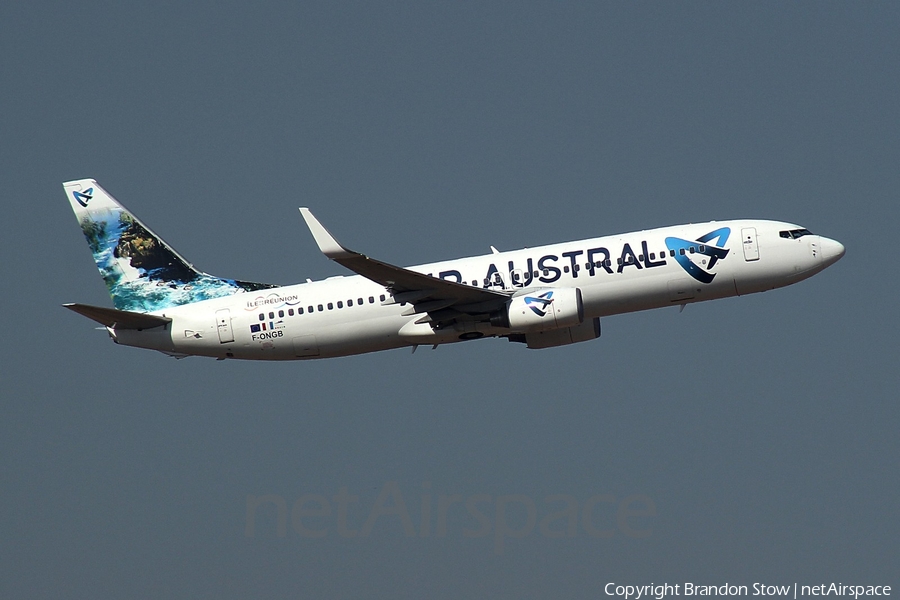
794,234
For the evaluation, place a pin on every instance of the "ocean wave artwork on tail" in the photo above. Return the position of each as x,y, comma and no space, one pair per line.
141,271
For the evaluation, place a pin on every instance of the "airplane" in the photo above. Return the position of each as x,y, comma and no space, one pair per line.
543,297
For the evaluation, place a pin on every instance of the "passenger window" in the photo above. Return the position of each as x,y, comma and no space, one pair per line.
271,315
672,253
691,249
321,308
681,251
330,306
641,257
299,310
566,269
371,300
359,301
382,297
653,256
280,314
475,282
350,302
290,312
262,316
310,309
340,304
702,248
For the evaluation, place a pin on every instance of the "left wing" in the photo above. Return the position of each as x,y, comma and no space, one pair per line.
443,301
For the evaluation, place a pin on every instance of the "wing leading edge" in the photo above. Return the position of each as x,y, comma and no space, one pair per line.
442,300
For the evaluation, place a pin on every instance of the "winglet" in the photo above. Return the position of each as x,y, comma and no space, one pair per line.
327,244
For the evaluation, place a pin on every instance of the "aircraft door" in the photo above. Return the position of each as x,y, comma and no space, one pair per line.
223,324
751,249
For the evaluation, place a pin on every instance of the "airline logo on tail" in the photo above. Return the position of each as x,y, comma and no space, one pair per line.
539,304
689,253
84,197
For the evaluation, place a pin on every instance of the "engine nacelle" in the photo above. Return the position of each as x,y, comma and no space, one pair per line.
543,310
589,330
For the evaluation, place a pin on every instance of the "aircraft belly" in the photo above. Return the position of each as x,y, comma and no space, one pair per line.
358,337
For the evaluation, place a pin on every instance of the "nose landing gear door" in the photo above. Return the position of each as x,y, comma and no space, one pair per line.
751,249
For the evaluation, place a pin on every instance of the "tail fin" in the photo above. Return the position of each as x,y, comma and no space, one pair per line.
141,271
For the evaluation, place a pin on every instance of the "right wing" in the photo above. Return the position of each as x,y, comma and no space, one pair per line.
440,301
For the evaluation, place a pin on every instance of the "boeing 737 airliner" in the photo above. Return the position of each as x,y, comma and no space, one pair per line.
542,297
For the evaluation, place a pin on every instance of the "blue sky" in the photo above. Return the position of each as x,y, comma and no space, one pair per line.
761,430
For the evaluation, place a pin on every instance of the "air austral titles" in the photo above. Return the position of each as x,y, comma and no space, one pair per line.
543,297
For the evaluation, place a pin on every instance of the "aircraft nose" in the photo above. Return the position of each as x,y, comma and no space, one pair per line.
832,250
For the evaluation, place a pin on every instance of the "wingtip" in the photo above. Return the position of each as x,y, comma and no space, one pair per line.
326,242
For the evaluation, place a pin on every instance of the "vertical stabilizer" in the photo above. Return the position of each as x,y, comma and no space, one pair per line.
141,271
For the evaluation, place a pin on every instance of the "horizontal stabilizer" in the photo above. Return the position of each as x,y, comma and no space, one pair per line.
118,319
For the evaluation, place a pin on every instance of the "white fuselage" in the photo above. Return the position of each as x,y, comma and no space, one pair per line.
616,274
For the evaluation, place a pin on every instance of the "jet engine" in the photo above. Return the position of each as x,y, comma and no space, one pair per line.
542,310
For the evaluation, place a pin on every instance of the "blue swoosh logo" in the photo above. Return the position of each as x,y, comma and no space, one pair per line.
713,251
